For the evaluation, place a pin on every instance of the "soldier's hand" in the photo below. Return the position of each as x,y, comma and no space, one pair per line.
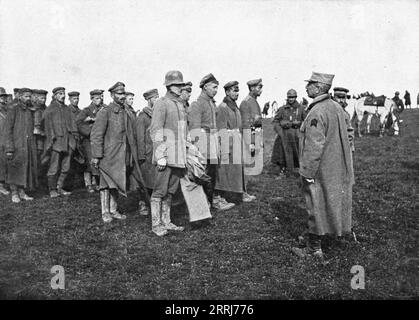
9,155
161,164
95,162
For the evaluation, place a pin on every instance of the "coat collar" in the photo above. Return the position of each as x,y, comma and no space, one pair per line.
318,99
148,111
294,105
170,95
115,107
230,103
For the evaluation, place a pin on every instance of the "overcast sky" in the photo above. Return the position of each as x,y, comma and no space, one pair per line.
87,44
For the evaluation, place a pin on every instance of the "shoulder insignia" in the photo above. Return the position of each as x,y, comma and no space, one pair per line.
313,123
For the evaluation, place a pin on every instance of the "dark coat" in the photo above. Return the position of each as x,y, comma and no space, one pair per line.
250,113
203,124
289,132
85,128
60,128
407,101
230,175
326,157
145,147
19,139
3,161
113,141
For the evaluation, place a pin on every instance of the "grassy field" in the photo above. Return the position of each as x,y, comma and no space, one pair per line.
244,255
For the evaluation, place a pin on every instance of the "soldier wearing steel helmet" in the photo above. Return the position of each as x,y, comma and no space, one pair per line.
287,124
168,131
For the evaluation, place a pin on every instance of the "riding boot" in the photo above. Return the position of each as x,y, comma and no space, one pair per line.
156,226
165,209
113,205
105,203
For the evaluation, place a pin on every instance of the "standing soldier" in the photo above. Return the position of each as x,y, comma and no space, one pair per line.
407,101
340,95
21,147
3,160
325,166
73,98
203,124
145,148
9,98
114,152
251,118
168,131
61,137
185,95
129,101
85,120
289,118
230,177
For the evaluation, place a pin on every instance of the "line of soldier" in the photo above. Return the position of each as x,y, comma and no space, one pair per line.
118,147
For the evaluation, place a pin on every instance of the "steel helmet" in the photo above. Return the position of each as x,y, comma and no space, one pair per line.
291,93
173,77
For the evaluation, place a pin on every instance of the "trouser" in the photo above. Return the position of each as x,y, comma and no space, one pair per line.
60,162
167,182
211,171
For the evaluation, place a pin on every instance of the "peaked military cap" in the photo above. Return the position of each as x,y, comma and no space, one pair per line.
321,77
2,92
231,84
340,91
117,87
40,91
55,90
16,90
252,83
23,90
73,93
207,79
96,92
129,93
150,94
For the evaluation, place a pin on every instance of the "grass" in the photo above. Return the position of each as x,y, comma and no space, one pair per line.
245,255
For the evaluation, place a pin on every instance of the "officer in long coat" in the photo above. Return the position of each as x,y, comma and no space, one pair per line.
289,118
203,125
114,152
61,138
20,145
230,176
3,160
169,133
325,166
145,147
84,121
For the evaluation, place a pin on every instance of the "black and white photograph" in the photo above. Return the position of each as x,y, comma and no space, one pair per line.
227,150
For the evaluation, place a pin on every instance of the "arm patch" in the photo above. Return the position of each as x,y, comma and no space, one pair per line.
313,123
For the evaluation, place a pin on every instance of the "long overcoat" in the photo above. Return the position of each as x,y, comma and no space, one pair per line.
145,147
230,175
19,139
113,141
3,161
325,156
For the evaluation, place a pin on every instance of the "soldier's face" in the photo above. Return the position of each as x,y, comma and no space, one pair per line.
257,90
119,97
211,89
129,100
60,96
97,100
185,95
34,98
42,99
26,98
2,99
312,90
9,99
291,100
74,101
153,100
233,94
341,101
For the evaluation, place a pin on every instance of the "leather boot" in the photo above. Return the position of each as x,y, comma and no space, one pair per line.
60,184
24,196
52,186
113,206
165,209
3,190
104,200
156,225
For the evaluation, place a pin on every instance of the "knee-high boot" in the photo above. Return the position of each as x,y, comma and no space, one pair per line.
165,208
105,203
113,206
156,222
